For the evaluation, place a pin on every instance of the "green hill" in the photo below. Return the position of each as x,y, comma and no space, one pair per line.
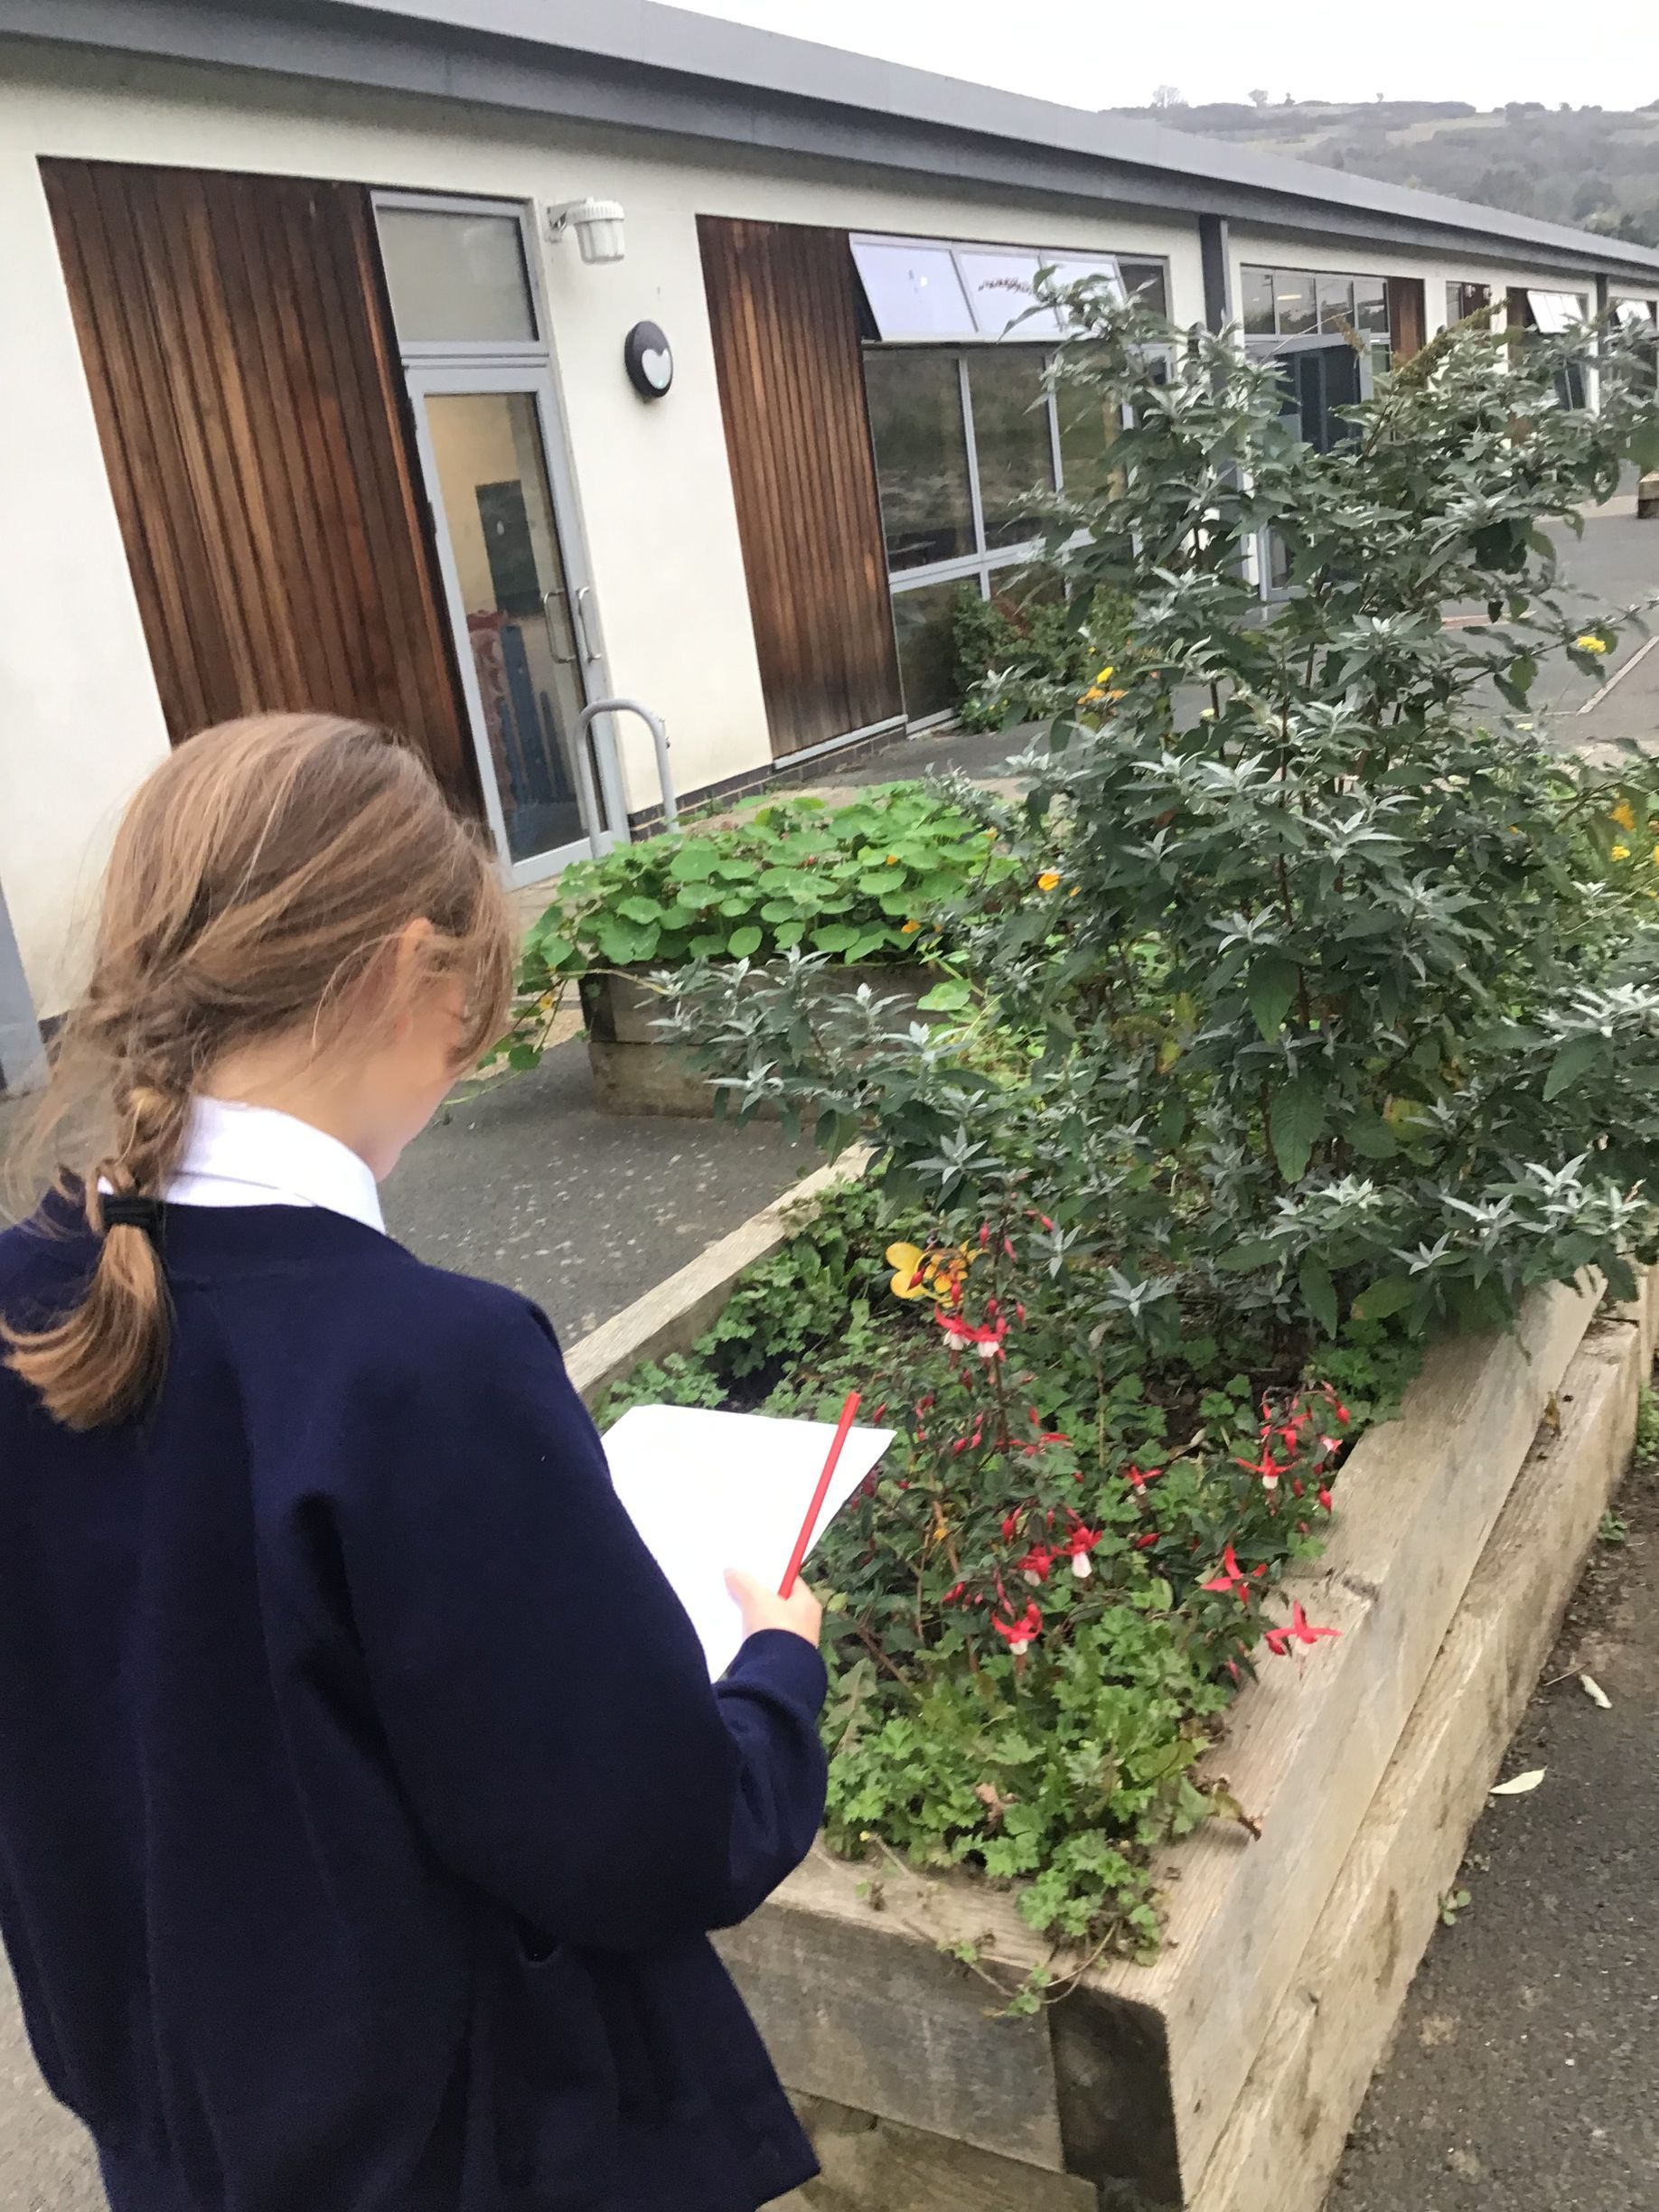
1596,167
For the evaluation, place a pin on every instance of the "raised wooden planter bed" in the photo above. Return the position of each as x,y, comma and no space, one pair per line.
635,1071
1223,2077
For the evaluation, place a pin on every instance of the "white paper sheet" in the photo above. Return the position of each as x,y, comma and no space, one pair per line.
708,1491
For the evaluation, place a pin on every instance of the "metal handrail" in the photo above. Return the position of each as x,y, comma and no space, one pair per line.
658,739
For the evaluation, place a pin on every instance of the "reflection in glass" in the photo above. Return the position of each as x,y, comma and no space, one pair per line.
454,277
498,507
1336,303
915,403
1370,305
914,290
1144,281
1002,288
1256,285
924,624
1011,438
1088,423
1293,291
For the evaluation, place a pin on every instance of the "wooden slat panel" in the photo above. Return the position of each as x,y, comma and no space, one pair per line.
237,343
782,308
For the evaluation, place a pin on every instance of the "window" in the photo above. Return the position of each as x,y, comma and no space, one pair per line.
925,628
1305,303
1002,288
1336,304
1293,300
1554,312
913,289
917,428
930,289
1146,281
456,276
1013,439
1462,300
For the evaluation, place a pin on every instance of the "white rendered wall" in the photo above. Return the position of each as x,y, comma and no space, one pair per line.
80,720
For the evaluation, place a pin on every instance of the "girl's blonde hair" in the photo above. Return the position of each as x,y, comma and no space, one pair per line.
257,876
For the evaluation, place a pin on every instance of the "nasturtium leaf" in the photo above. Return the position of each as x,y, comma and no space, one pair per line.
948,996
743,942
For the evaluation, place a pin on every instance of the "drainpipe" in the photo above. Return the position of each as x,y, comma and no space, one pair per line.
22,1060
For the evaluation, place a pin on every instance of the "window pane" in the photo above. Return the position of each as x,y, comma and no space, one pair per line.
1011,438
914,290
456,277
1088,423
924,624
1001,287
1370,305
1093,270
1144,281
1293,290
1257,286
1336,303
921,454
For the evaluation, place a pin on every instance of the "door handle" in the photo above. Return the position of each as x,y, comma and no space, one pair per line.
590,651
565,660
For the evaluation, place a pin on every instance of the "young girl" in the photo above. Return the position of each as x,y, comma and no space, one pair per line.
364,1802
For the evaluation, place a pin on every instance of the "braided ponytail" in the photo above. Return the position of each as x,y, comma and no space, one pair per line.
257,877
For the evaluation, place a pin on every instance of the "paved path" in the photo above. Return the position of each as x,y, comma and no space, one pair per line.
1524,2076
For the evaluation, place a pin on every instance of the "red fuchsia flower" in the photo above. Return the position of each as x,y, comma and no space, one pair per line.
1037,1564
1267,1466
963,1335
1233,1578
1145,1542
1297,1630
953,1593
1023,1633
1138,1478
1077,1548
1010,1523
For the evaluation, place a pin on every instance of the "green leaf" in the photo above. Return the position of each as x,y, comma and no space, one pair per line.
521,1057
559,952
947,998
743,942
1575,1058
1273,980
834,937
1318,1292
692,862
1243,1259
1644,445
1390,1295
1370,1137
708,945
640,909
1295,1120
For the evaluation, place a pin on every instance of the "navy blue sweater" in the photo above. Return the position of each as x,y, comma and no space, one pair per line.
364,1802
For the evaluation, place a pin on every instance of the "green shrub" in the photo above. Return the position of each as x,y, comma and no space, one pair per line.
1026,636
870,881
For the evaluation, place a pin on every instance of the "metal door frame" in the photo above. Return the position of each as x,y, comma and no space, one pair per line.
485,376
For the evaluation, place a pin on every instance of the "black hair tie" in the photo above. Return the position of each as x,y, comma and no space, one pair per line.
126,1212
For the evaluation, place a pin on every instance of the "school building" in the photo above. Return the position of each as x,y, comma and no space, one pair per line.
466,363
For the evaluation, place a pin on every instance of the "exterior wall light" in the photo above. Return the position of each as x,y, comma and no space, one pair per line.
597,224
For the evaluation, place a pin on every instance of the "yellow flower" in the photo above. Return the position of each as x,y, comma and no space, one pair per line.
1091,697
1623,815
935,1275
1076,887
909,1263
1049,880
1105,674
908,929
892,861
1621,852
1591,642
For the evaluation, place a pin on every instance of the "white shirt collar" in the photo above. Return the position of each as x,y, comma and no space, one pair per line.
246,1156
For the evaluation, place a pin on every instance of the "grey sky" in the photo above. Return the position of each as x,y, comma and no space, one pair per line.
1092,54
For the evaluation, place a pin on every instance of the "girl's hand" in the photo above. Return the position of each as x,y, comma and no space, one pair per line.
800,1612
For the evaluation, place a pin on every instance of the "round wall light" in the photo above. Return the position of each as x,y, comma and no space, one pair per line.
647,358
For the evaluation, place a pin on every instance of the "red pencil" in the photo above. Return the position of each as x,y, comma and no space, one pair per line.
804,1541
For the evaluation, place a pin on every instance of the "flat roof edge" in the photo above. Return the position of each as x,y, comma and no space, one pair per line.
592,69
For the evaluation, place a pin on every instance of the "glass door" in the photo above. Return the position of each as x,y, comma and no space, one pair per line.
522,611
